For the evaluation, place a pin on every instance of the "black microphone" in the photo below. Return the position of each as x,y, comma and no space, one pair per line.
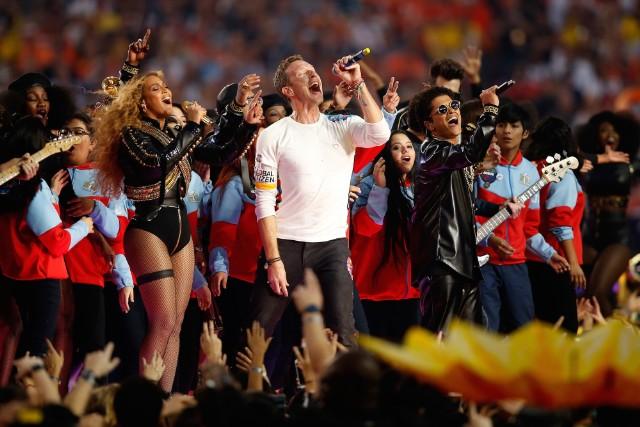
504,86
354,58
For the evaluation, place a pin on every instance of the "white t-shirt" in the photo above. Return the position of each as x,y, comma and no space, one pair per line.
314,163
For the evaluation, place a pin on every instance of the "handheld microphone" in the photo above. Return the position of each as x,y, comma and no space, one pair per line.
504,86
354,58
205,119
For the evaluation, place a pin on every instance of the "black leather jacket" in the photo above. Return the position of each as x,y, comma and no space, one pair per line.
150,156
443,229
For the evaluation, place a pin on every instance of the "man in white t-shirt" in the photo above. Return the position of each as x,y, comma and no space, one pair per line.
312,155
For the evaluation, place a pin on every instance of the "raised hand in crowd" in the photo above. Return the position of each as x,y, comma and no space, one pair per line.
589,313
253,113
303,362
154,369
378,173
203,295
138,49
482,417
30,370
53,361
472,63
211,345
101,362
391,99
308,300
257,344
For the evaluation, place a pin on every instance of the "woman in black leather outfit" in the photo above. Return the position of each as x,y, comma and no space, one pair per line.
135,148
611,143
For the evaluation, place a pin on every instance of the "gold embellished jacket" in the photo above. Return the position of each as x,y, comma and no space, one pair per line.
154,161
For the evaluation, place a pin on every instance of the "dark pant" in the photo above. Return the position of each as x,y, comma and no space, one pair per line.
391,319
553,295
187,371
444,295
508,284
126,331
234,309
329,261
88,320
360,317
38,302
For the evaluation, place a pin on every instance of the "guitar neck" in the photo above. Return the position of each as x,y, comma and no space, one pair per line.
503,214
14,170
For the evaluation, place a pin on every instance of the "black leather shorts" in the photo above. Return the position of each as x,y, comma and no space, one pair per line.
168,223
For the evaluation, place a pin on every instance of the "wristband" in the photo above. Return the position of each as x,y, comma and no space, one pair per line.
273,260
235,107
131,69
88,375
258,370
491,109
312,308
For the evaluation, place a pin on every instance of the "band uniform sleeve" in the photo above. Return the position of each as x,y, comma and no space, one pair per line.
43,219
121,273
105,220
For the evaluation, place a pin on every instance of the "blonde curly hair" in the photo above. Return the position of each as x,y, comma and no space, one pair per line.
124,111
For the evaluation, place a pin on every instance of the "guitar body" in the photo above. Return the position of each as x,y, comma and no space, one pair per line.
554,172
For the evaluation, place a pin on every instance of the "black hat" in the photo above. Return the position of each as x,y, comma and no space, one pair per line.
225,96
28,80
274,99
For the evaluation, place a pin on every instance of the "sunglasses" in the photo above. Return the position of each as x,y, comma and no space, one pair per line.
454,105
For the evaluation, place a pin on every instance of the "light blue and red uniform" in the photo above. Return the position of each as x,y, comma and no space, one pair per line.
234,243
389,301
34,243
506,280
389,281
87,262
562,209
562,205
194,201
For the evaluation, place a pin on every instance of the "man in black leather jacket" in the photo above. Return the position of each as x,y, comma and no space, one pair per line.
443,247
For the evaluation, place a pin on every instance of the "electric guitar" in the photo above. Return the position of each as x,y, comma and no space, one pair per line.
57,145
556,170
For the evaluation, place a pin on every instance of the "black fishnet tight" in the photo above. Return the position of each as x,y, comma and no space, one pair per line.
165,300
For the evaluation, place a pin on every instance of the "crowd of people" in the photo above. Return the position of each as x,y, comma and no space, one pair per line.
214,266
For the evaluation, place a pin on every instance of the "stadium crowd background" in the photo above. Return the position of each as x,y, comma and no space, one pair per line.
571,57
